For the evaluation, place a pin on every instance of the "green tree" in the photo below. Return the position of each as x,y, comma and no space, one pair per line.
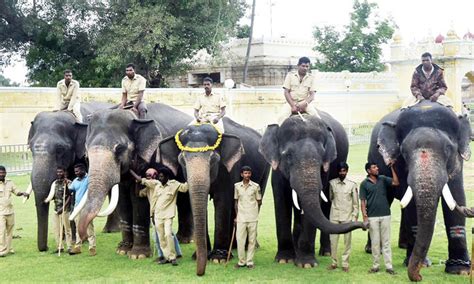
243,31
5,82
96,39
358,47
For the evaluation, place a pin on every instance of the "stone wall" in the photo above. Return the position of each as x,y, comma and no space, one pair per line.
352,98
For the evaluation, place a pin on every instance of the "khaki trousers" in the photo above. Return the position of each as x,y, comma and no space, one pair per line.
347,246
286,112
164,228
244,230
66,226
442,100
7,222
90,234
379,230
208,119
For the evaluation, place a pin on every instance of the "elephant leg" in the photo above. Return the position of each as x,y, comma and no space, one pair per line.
113,223
403,233
410,224
324,241
141,227
223,199
185,219
126,220
458,262
283,211
304,235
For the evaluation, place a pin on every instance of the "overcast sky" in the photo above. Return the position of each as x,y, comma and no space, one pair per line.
416,19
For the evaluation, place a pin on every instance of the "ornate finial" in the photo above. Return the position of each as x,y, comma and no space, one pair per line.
397,38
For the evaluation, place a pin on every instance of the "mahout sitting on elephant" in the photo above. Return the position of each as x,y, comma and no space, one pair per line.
427,143
304,152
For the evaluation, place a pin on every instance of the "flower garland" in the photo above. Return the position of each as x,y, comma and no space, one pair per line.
199,149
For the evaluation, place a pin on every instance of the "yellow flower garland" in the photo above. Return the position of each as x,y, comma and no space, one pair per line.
199,149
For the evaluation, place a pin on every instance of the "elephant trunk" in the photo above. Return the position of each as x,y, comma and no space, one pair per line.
427,191
306,181
199,184
104,173
42,175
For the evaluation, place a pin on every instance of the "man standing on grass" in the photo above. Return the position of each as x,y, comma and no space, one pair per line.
376,211
248,199
344,209
7,215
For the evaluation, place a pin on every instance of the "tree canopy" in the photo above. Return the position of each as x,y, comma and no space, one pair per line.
358,48
96,39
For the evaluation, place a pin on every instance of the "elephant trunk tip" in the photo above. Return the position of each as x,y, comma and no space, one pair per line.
84,222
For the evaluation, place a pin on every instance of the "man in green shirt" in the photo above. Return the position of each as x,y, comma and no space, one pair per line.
376,212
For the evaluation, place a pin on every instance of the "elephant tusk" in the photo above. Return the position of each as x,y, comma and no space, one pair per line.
113,202
28,191
79,207
323,196
406,197
448,197
295,199
51,193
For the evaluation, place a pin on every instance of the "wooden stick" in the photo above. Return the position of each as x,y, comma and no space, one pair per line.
230,247
61,218
472,253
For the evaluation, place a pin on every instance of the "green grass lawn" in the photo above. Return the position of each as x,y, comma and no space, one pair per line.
29,265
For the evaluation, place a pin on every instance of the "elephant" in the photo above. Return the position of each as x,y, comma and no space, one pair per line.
211,162
304,153
116,142
56,139
428,143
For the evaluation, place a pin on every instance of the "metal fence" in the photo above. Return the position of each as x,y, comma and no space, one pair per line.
16,158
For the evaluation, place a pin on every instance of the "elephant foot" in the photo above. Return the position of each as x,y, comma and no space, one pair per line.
368,248
184,239
458,266
219,256
123,248
286,256
139,252
306,261
325,251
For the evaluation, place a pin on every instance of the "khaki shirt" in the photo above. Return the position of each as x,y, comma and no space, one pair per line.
299,89
7,188
67,96
210,105
164,202
132,86
149,191
247,197
345,200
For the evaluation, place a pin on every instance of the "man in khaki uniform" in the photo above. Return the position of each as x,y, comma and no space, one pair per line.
7,215
248,199
344,209
133,89
210,106
299,91
164,204
67,95
62,200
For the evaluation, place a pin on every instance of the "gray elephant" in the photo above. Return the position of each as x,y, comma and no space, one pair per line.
116,142
303,154
428,143
56,139
211,163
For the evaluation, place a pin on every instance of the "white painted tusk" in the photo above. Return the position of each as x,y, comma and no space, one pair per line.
325,199
113,202
51,193
79,207
295,199
406,197
28,191
448,197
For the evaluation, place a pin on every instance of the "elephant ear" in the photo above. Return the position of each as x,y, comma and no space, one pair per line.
269,147
31,133
80,139
464,137
387,142
168,154
146,136
330,151
231,150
